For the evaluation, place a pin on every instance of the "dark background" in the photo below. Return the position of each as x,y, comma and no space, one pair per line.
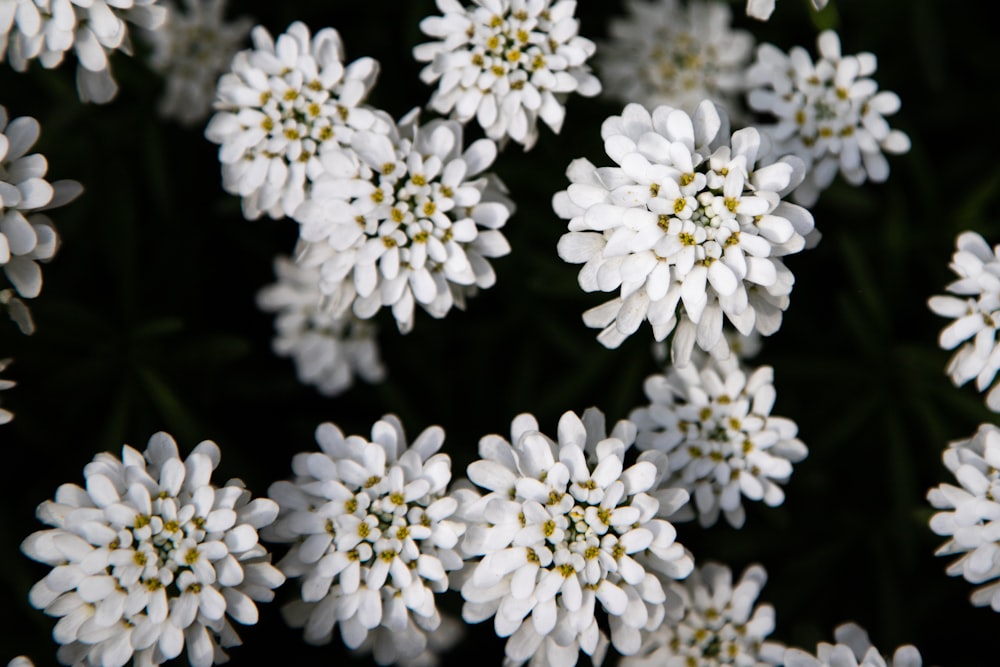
147,322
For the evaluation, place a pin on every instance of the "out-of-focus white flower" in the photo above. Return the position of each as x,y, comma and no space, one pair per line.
969,512
685,227
26,236
191,50
976,313
564,527
829,113
149,558
328,351
21,661
5,415
853,649
439,642
762,9
17,311
506,63
676,53
403,218
284,104
715,624
373,538
46,29
714,423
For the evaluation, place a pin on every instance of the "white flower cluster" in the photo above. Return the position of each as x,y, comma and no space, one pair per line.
968,513
722,443
27,236
685,227
715,624
190,51
405,217
46,29
676,53
506,63
285,104
762,9
564,527
829,113
975,309
5,415
150,557
373,539
328,351
853,649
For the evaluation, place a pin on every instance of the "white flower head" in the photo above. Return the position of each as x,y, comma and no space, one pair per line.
506,63
149,558
27,236
565,531
404,218
5,415
762,9
853,649
47,29
975,309
191,50
968,513
285,103
829,113
328,351
684,227
21,661
676,53
373,538
714,423
717,623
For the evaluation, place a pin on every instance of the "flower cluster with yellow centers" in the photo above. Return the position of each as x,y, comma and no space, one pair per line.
418,230
373,538
676,53
565,527
714,423
829,113
686,227
149,557
284,104
506,63
716,623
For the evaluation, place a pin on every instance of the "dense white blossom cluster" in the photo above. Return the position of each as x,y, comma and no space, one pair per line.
676,53
974,305
47,29
716,623
27,236
968,512
829,113
506,63
715,425
566,532
282,107
373,538
686,227
405,217
853,649
328,351
190,51
149,558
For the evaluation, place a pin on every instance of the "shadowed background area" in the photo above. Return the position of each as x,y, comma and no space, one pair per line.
147,322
